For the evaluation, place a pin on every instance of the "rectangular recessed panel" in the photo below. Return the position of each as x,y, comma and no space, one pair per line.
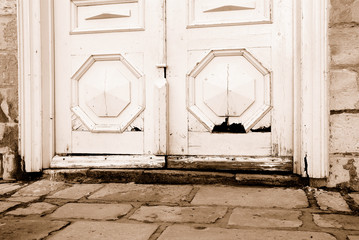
203,13
106,16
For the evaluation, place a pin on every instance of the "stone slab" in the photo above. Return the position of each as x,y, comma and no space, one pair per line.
178,232
251,197
269,180
105,231
268,218
92,211
142,193
8,187
337,221
353,237
331,201
33,209
22,199
355,197
39,188
76,191
28,229
6,205
179,214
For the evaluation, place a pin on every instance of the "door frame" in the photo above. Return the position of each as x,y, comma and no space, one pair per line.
311,95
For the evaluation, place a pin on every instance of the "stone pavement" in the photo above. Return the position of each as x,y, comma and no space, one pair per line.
57,210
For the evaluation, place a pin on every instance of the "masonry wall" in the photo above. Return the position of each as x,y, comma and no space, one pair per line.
8,89
344,94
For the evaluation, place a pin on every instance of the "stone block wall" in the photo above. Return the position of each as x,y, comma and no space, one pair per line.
344,94
8,90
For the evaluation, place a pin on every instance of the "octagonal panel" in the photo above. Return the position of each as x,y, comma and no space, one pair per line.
229,84
107,93
106,90
228,90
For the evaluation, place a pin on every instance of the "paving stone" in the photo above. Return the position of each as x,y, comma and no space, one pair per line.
39,188
22,199
76,191
179,214
142,193
337,221
331,201
28,229
178,232
8,187
353,237
92,211
105,231
355,196
251,197
6,205
269,218
35,208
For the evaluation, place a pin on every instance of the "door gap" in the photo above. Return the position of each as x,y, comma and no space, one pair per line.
225,127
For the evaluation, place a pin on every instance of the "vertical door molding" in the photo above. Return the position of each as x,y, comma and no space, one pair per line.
312,108
30,84
35,83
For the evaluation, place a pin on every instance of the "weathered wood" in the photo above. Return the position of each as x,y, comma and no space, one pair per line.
283,164
109,161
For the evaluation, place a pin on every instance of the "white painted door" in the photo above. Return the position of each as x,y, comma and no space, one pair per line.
230,76
106,57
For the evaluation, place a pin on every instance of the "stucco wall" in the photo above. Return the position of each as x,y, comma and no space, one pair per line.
8,89
344,94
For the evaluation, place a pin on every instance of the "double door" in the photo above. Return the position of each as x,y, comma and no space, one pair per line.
207,83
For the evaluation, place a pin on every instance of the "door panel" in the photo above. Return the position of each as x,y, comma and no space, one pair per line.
105,75
204,13
230,77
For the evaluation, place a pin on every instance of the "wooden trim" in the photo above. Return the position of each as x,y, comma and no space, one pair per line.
312,126
282,164
30,84
108,161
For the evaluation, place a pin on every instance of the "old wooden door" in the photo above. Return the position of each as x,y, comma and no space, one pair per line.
229,72
106,57
230,76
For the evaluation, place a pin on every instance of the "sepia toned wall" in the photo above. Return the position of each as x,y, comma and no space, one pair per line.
344,92
8,89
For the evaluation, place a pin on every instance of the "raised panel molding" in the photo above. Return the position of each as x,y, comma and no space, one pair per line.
96,16
108,93
207,13
232,84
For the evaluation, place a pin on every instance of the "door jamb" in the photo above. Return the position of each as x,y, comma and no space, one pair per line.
311,108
